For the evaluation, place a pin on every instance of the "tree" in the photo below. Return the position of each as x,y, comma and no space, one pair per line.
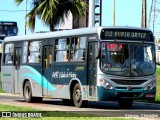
51,12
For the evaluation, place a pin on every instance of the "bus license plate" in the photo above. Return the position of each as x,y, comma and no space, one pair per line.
149,95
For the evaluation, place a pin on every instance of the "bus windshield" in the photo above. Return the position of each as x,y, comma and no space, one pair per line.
8,30
127,59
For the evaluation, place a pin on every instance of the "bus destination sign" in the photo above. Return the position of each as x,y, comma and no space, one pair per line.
126,34
7,23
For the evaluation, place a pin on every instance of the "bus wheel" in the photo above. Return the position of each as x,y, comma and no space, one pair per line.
27,92
77,96
125,103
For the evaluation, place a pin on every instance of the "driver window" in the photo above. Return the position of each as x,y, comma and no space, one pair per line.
148,54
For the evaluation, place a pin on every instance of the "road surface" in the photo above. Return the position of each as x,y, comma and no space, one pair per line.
109,109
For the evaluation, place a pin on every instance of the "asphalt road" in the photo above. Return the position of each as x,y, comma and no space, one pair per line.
109,109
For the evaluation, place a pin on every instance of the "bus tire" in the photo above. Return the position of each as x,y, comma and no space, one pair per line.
125,103
77,96
28,92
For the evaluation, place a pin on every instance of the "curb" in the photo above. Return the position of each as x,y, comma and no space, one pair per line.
8,94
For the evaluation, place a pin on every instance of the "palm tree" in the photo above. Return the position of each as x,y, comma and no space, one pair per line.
51,12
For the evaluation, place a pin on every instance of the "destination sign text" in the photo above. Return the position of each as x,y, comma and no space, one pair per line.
126,34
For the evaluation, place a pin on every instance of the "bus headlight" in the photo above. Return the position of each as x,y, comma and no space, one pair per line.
105,84
151,85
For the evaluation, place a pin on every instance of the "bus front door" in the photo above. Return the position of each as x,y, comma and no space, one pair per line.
92,69
47,61
17,67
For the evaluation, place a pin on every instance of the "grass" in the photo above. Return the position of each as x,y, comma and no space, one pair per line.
1,91
158,85
52,115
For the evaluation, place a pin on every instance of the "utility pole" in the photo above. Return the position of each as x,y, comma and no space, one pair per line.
25,24
144,14
153,22
114,12
91,13
95,13
98,12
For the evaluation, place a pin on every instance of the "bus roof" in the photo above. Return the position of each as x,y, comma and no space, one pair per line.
55,34
8,23
65,33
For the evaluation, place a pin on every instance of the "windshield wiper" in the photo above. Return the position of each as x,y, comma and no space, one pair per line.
133,52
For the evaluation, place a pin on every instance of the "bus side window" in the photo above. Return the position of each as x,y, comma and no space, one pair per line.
50,56
25,52
8,54
1,29
10,58
66,56
79,50
34,53
61,50
67,49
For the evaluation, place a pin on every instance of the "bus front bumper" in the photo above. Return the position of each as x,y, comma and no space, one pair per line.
114,95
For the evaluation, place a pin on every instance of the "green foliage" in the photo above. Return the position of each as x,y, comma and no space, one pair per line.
158,85
1,91
18,1
52,12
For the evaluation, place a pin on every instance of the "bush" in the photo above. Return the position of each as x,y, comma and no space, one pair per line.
158,85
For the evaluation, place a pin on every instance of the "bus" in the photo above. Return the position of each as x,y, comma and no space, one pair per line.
81,65
7,28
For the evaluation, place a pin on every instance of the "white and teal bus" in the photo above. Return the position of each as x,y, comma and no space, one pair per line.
80,65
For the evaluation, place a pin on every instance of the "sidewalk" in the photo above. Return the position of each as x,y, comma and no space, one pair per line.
9,94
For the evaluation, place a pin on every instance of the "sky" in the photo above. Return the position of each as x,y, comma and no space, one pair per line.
128,13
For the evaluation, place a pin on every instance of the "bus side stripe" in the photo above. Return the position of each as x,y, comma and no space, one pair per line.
36,76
